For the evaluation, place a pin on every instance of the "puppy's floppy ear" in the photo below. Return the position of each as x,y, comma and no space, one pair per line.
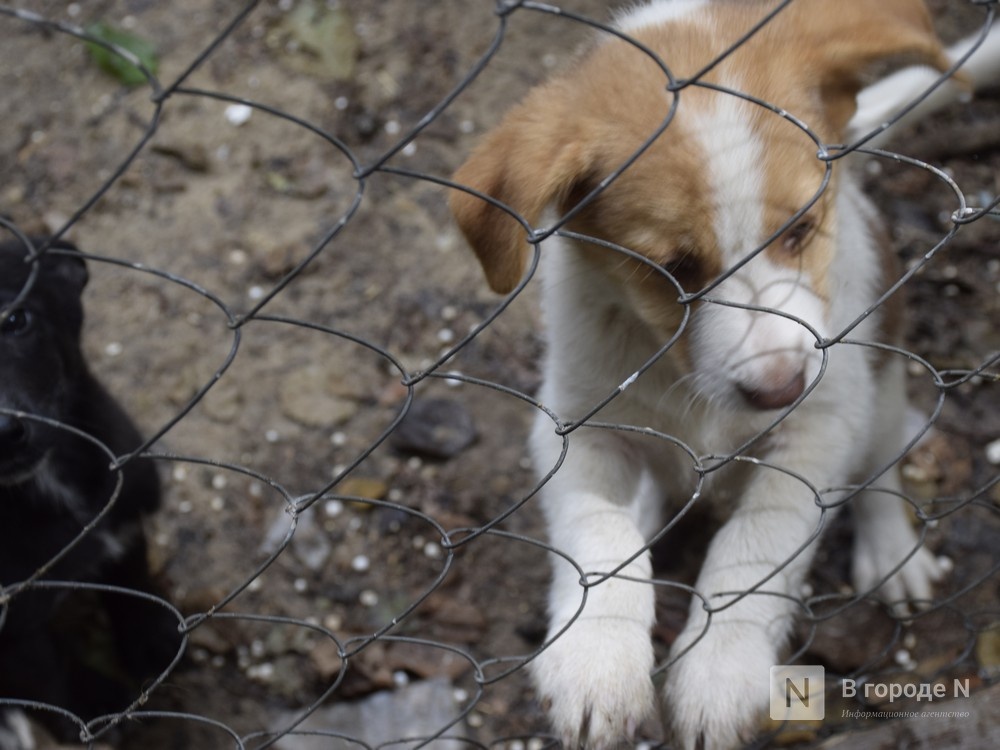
528,162
847,40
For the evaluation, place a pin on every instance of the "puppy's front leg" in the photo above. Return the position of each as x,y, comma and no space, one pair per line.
595,672
715,692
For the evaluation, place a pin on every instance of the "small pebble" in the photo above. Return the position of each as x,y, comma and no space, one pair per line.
368,598
361,563
993,452
300,585
238,114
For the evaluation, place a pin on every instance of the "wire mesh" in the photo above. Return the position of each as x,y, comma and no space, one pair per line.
339,409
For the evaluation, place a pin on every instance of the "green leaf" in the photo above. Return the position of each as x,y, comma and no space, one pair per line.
115,64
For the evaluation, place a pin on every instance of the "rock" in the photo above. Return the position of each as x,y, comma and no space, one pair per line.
435,428
306,399
418,710
309,543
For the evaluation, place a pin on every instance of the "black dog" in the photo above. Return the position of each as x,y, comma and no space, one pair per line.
53,482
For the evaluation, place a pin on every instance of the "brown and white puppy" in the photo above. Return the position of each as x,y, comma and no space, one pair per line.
707,287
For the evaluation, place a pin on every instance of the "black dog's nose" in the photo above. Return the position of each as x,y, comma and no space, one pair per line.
12,432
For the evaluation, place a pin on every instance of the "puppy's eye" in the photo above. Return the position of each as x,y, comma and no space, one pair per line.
797,236
15,322
684,269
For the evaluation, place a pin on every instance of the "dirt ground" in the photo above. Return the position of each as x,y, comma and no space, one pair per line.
215,211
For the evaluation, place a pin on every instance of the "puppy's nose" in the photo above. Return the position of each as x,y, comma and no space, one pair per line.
776,393
12,432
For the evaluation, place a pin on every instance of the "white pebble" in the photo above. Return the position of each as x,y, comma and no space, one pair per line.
238,114
467,126
255,292
333,622
910,641
338,438
409,149
446,335
217,503
993,452
179,473
400,678
184,506
392,127
361,563
945,564
461,695
255,585
333,508
433,550
219,481
341,103
257,649
368,598
262,672
300,585
272,436
238,257
114,349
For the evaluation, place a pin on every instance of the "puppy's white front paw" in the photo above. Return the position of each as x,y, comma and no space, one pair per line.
715,694
596,680
874,559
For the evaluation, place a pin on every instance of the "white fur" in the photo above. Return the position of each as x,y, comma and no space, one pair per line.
657,12
880,102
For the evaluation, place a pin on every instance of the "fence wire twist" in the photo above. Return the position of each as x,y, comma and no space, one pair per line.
401,621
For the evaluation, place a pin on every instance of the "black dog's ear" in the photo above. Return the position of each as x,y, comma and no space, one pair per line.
65,261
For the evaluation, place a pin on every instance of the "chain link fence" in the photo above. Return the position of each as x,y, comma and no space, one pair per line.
348,540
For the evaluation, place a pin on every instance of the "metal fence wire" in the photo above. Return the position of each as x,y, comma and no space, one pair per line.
348,544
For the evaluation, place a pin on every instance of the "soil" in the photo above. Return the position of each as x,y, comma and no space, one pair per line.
197,283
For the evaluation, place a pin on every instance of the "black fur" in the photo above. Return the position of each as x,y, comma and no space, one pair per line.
52,483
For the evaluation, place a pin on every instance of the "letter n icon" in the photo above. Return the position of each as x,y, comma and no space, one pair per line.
798,693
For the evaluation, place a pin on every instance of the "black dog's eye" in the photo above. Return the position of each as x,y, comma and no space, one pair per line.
15,321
